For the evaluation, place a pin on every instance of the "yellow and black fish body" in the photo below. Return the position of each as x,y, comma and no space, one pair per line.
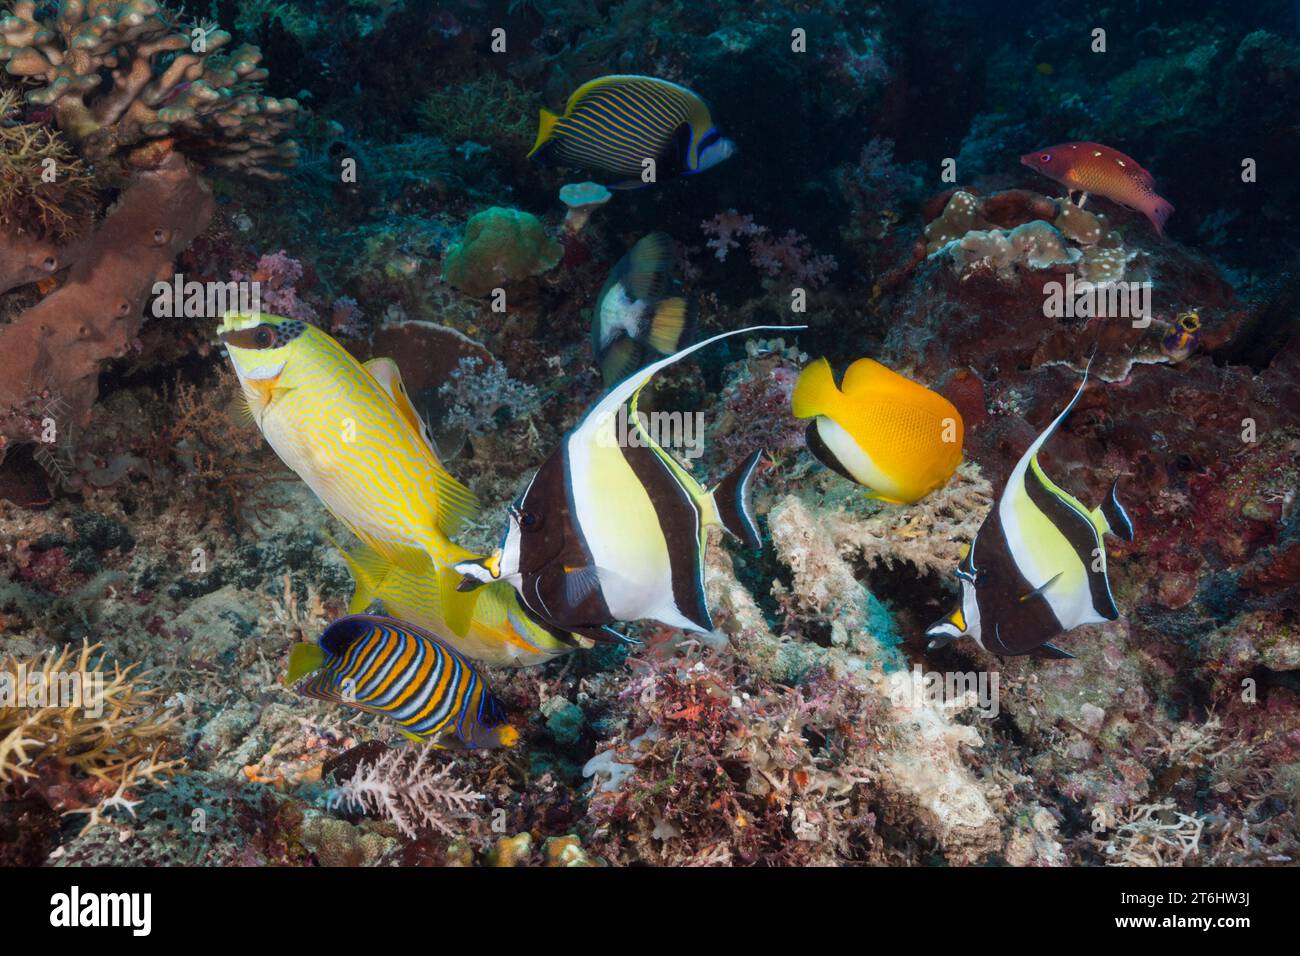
615,123
392,668
611,531
640,313
1037,566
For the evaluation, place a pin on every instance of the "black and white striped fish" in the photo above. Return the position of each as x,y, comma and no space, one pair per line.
1037,566
615,123
613,530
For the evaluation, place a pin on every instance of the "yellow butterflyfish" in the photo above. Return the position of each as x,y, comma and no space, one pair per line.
880,429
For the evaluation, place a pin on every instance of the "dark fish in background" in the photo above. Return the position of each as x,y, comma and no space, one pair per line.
1037,566
640,312
614,123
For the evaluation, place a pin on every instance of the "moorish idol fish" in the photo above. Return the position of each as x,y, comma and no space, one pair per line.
614,123
500,631
1037,566
879,429
640,310
609,531
384,666
350,432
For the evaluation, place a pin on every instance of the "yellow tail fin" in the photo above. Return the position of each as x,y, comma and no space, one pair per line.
667,326
546,124
369,570
815,392
303,660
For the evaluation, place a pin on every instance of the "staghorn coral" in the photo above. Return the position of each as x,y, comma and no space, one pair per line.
45,190
123,78
407,791
82,751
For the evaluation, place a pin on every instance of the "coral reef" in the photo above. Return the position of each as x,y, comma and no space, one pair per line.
200,101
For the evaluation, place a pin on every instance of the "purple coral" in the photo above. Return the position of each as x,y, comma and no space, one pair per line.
790,256
277,276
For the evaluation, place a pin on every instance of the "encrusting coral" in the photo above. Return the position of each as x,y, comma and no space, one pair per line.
169,88
500,246
80,735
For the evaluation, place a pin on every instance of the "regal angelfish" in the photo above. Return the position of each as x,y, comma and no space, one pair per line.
609,531
1037,566
394,669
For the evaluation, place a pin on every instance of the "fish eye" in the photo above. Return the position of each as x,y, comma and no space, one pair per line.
529,520
264,337
1045,158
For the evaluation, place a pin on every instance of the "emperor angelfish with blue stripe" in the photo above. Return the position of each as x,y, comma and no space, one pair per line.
500,631
640,313
615,123
1037,566
351,433
611,531
392,668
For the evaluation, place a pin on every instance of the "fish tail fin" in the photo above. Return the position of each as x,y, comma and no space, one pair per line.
1111,516
545,127
815,392
733,501
668,325
369,570
303,660
1159,213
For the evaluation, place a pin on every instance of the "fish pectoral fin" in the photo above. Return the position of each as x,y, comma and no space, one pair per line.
603,635
410,736
580,584
376,607
1039,591
1051,651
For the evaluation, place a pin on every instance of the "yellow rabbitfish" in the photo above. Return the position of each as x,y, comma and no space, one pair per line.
880,429
349,431
500,632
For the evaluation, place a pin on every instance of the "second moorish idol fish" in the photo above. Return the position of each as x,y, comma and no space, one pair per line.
1094,168
615,123
880,429
1037,566
392,668
350,432
501,631
611,531
640,311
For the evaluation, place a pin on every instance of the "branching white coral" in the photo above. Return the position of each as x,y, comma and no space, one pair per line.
408,792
